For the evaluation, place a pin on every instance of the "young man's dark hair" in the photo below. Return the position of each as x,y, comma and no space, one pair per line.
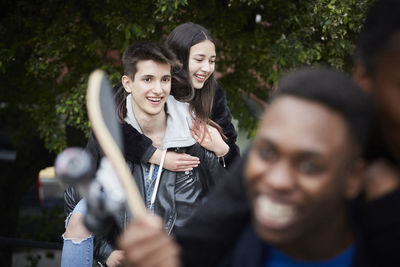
334,90
146,50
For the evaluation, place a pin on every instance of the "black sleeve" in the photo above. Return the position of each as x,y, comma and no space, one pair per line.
102,250
140,152
215,171
71,198
222,115
211,172
380,228
94,150
143,148
215,226
71,194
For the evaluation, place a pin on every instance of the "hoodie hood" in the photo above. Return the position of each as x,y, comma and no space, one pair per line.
179,123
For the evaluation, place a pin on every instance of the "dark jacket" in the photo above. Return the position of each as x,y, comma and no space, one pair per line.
178,195
222,115
250,251
215,227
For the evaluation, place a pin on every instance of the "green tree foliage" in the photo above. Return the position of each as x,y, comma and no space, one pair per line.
56,44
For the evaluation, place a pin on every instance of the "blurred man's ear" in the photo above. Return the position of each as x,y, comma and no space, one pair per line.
381,178
362,77
354,181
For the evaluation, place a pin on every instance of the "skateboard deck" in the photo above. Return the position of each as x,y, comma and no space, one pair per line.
104,122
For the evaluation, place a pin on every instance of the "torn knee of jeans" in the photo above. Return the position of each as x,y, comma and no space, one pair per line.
77,240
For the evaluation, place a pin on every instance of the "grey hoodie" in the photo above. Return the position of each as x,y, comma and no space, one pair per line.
179,123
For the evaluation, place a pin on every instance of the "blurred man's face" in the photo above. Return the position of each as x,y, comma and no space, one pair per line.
386,86
384,83
297,171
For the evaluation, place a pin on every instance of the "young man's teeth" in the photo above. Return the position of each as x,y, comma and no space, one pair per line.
273,209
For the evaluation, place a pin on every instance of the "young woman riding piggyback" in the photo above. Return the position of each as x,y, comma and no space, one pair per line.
194,82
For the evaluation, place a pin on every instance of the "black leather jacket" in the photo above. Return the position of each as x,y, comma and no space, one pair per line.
178,195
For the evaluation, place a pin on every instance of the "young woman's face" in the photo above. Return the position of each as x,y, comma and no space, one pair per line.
201,63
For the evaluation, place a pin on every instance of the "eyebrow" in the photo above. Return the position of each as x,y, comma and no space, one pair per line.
301,153
203,55
147,76
152,76
309,154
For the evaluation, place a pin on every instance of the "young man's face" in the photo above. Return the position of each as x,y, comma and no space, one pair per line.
201,63
297,171
386,87
384,83
150,87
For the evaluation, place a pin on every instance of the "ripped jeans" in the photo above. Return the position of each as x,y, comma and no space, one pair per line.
77,252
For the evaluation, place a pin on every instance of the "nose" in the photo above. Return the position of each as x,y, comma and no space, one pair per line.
158,88
206,67
279,177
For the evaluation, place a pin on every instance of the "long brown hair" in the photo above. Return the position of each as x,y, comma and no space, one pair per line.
180,40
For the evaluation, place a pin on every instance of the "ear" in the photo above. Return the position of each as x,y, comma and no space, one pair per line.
127,83
380,179
362,77
354,181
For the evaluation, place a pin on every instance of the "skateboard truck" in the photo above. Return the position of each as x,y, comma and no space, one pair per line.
101,189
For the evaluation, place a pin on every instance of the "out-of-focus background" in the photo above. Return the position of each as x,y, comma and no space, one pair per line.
48,49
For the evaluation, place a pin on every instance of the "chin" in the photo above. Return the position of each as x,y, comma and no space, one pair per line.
198,87
154,112
273,237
